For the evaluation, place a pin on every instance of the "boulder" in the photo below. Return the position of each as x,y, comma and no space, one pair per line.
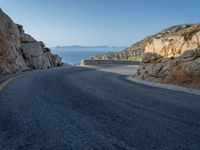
56,60
34,55
150,57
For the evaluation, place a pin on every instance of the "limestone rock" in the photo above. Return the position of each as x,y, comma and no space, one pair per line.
10,53
173,57
170,56
175,40
56,60
183,71
134,52
150,57
19,51
173,46
35,56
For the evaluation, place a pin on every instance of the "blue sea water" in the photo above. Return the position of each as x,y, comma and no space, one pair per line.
73,55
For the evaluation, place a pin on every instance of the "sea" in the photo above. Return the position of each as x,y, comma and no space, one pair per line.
73,55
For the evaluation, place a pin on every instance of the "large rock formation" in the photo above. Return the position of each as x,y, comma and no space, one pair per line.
170,56
136,52
173,56
19,51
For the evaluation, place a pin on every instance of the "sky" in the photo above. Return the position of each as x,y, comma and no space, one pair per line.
98,22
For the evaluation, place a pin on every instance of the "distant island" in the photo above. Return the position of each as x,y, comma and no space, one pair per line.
101,46
75,53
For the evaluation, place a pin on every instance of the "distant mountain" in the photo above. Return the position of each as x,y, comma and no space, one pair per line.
79,46
74,54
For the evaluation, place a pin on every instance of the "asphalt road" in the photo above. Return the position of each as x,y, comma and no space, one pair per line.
80,108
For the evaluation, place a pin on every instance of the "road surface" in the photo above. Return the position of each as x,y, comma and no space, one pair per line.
80,108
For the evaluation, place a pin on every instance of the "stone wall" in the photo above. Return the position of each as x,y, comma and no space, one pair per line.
99,62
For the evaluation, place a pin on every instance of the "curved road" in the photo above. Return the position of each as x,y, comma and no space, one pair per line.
80,108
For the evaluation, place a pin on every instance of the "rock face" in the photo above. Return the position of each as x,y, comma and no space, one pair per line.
173,56
19,51
170,56
134,52
180,34
181,71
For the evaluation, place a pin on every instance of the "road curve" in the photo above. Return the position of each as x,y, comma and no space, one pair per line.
79,108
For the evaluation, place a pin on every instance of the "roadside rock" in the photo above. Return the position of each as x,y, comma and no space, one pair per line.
133,53
170,56
35,56
55,60
183,71
175,39
19,51
173,57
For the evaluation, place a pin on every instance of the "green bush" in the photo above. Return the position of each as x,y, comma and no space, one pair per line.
188,34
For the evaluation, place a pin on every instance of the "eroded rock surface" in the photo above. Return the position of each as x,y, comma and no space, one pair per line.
179,71
19,51
134,52
181,35
174,58
170,56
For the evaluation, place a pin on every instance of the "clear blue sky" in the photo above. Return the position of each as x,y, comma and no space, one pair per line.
98,22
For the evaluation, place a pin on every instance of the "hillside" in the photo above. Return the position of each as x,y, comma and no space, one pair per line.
136,51
170,56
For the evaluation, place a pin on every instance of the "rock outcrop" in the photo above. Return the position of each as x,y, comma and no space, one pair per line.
132,53
170,56
19,51
137,50
173,56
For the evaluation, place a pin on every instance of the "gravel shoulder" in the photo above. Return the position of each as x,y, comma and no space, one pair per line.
130,71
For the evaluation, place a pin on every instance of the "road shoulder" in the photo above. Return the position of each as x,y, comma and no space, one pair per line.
165,86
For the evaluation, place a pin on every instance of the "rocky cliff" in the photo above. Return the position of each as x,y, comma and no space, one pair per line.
19,51
173,56
137,50
134,52
170,56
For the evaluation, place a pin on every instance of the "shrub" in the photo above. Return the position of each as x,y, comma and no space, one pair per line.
188,34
